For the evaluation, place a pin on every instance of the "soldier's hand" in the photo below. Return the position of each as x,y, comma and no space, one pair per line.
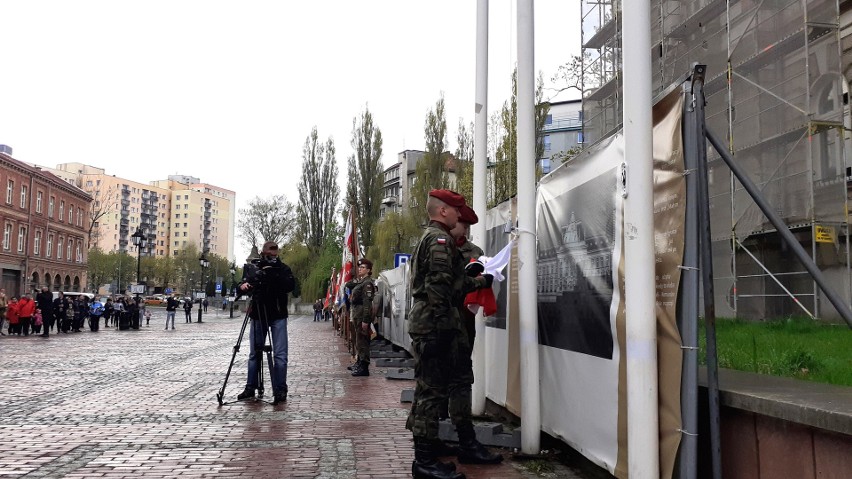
474,268
489,279
365,327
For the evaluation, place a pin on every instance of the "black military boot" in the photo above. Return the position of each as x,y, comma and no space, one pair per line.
427,466
472,451
362,369
442,449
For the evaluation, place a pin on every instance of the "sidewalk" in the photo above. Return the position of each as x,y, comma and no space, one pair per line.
143,404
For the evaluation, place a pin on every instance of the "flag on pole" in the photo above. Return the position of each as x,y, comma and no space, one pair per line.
350,253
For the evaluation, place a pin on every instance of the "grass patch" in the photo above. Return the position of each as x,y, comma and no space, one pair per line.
538,467
790,347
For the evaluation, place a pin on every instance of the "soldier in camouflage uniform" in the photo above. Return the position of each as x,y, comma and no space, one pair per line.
438,286
361,299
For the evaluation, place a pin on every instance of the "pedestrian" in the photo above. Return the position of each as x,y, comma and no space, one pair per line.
171,308
3,305
26,310
133,311
79,309
317,310
205,303
120,314
96,310
44,301
187,309
12,317
269,291
109,309
38,321
361,299
60,313
438,286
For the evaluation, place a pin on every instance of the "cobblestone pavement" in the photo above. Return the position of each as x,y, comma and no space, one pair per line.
143,404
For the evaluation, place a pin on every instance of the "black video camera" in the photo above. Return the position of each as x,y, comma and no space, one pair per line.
253,272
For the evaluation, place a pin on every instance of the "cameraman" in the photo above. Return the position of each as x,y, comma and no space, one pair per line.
268,281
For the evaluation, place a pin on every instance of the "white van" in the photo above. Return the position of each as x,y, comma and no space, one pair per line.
74,294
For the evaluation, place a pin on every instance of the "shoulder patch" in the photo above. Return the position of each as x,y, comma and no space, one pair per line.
441,240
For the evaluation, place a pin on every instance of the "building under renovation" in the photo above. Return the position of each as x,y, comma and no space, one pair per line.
777,94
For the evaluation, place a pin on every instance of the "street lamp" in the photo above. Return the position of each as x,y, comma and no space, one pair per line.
139,241
204,263
233,268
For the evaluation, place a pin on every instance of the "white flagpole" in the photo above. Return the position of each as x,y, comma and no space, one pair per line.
480,144
642,403
527,277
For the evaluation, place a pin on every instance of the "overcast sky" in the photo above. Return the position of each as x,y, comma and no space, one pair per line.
228,91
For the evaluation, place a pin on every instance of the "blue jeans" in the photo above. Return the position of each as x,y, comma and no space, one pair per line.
257,337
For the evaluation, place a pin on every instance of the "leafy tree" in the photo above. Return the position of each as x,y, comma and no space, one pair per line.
364,187
464,161
103,203
505,176
431,170
266,219
318,190
100,268
397,233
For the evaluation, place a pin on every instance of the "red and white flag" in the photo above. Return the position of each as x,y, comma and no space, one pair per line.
350,253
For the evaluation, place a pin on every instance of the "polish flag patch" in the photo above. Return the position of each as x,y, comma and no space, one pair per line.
442,240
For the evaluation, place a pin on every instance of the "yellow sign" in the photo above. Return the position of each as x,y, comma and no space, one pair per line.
824,234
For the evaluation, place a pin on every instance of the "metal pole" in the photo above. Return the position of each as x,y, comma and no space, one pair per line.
689,295
708,287
783,231
528,271
231,301
640,286
202,292
479,188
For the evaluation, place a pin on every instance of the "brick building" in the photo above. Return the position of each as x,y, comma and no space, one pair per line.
44,223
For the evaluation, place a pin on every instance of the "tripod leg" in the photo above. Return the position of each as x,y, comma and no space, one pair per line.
221,393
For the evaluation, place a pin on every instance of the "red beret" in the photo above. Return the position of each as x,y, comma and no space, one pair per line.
365,262
468,215
449,197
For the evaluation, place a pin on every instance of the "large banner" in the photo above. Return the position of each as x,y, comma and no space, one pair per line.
581,295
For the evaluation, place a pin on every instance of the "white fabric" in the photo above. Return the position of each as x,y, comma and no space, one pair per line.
494,265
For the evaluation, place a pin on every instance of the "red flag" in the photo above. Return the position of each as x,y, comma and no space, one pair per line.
350,252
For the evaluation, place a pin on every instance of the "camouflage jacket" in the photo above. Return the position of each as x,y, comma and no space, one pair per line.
438,282
361,299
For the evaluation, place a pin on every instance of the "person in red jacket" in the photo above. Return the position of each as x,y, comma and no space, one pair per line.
12,317
26,310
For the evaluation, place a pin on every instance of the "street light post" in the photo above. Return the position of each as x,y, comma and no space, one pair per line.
204,263
233,288
139,241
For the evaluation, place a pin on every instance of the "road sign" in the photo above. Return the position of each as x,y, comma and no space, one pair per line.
169,291
137,289
400,259
218,287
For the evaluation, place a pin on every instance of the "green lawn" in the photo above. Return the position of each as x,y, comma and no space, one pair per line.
795,347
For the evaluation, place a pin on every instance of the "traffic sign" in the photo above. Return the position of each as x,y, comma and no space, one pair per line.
218,287
400,259
169,291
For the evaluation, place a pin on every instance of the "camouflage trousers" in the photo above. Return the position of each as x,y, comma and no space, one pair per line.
441,371
362,342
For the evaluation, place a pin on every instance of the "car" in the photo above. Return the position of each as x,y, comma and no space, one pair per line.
154,301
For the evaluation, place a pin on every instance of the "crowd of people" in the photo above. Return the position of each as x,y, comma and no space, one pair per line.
40,315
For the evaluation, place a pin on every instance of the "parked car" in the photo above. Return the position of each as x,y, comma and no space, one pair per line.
154,301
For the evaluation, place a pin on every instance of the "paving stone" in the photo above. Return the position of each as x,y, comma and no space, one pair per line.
389,354
404,373
143,404
394,363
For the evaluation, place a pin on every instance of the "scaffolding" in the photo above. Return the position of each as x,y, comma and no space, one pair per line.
775,93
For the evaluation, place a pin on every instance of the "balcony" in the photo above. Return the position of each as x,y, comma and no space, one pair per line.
125,202
124,221
564,124
389,200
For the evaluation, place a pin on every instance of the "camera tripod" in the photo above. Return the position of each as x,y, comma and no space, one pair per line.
265,347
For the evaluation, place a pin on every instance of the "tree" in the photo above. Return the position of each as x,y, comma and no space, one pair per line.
365,183
103,203
505,176
100,268
318,190
266,219
397,233
431,170
464,161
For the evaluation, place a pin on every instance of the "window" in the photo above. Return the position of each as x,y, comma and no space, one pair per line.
184,233
61,209
186,215
50,206
77,255
37,243
59,249
23,196
22,238
580,138
177,243
548,120
49,250
90,184
546,142
79,217
39,198
7,236
10,188
184,225
70,214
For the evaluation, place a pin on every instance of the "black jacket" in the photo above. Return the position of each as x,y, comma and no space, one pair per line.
271,291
